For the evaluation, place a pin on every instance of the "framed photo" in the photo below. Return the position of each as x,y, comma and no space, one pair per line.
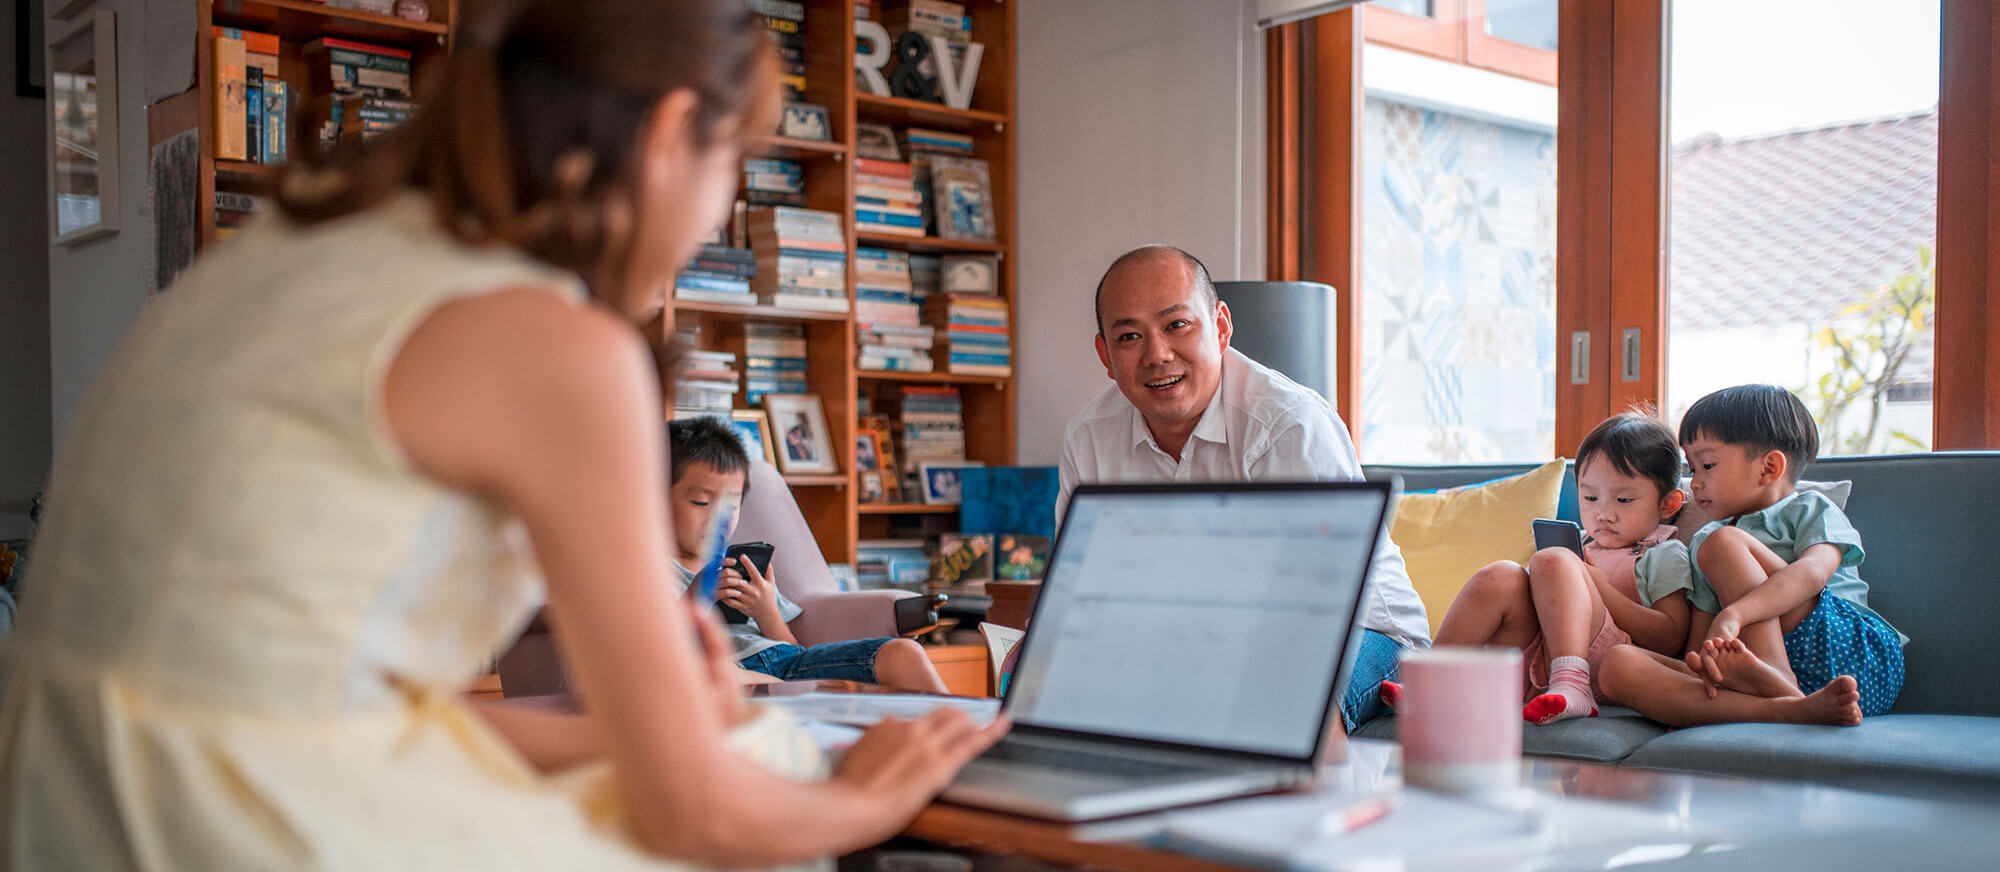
962,195
876,429
83,116
964,559
942,481
876,142
971,274
798,428
805,121
754,428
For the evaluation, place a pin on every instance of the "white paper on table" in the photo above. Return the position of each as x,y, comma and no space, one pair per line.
1428,831
865,709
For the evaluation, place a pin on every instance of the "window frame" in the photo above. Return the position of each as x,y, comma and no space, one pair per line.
1612,148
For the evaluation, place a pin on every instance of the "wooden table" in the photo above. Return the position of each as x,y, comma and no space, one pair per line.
1787,825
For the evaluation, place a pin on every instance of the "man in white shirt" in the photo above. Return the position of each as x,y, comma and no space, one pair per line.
1186,407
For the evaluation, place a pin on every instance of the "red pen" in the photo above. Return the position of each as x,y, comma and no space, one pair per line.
1360,814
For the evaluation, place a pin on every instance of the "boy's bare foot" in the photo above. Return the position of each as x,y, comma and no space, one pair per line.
1731,664
1838,704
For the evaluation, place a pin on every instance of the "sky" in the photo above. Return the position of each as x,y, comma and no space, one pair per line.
1742,67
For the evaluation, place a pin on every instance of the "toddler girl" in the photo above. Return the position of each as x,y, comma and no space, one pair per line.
1629,586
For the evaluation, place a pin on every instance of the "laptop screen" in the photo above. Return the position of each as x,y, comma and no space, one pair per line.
1213,616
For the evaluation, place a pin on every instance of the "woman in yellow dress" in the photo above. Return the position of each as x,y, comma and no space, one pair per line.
338,465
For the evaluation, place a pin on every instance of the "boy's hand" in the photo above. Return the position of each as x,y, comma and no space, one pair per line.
750,592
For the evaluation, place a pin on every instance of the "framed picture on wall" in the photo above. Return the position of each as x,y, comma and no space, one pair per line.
798,427
83,117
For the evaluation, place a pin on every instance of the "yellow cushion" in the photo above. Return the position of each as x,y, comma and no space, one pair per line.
1446,537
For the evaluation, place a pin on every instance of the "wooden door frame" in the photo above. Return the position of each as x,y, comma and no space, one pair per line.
1965,375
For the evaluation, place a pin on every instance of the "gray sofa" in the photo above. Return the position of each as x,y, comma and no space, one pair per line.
1931,526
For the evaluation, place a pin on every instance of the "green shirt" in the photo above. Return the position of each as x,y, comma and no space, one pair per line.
1789,527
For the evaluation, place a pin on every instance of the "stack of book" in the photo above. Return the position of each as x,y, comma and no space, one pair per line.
918,140
888,325
252,106
774,360
975,333
718,274
361,90
880,563
707,384
935,18
786,20
930,428
773,182
801,258
886,198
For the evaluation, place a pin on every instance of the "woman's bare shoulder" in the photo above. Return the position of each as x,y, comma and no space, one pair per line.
491,380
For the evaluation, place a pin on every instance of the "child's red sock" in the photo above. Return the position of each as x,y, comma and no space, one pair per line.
1392,694
1569,693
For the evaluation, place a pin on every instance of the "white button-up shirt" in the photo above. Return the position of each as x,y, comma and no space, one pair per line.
1260,426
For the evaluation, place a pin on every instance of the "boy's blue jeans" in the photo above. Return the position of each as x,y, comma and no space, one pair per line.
833,661
1374,663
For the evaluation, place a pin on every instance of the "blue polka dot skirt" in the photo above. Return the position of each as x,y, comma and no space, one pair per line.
1838,639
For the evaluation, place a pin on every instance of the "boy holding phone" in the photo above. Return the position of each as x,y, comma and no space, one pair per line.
710,474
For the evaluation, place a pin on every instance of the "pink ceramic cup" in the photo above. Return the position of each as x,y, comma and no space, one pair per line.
1460,718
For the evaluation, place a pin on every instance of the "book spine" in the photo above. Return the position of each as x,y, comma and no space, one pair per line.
231,111
277,120
253,115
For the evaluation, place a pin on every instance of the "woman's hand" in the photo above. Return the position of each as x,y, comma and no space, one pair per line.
751,592
719,656
905,763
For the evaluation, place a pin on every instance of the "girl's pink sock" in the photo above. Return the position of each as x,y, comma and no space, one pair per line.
1569,693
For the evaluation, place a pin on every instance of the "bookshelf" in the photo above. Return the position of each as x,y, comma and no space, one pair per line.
295,23
831,505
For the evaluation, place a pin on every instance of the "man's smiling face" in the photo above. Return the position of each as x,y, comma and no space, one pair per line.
1162,341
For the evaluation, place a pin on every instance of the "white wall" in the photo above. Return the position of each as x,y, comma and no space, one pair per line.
97,288
24,298
1139,121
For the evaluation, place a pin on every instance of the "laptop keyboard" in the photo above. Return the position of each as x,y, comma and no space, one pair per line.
1083,761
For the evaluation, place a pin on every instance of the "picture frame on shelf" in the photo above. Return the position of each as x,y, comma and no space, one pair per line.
943,481
806,121
971,274
877,428
876,142
963,560
753,427
82,94
799,432
962,195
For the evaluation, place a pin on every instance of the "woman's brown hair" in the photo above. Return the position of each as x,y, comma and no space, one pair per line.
531,135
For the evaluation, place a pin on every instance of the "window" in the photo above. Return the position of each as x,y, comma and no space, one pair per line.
1458,272
1803,182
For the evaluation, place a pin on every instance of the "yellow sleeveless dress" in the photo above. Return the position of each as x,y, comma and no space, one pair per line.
248,618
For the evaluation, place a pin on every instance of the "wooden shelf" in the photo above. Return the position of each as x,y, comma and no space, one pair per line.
245,168
803,149
902,110
816,480
300,21
944,378
927,243
771,312
904,509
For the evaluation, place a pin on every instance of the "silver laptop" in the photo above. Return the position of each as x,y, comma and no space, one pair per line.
1189,643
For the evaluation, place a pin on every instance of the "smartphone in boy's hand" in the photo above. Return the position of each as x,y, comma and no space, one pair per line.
759,555
1558,534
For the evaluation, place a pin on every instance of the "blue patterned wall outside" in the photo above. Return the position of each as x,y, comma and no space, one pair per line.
1458,282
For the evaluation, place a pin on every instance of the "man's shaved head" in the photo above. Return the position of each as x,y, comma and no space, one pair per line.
1204,287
